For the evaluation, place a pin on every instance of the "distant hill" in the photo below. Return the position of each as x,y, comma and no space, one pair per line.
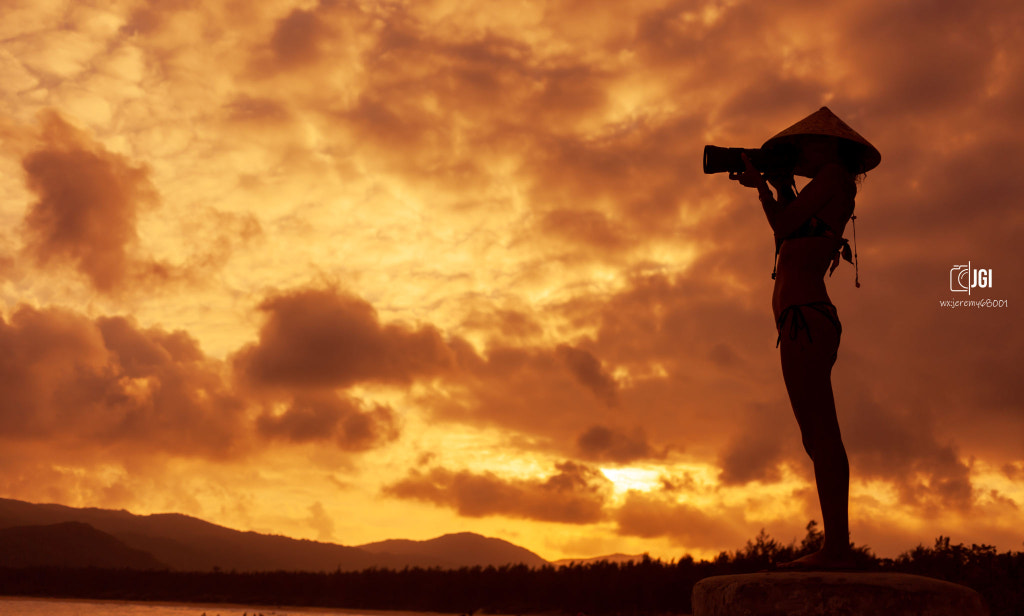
457,550
185,543
188,543
69,544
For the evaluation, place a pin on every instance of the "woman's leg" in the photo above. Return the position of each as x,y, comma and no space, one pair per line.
807,370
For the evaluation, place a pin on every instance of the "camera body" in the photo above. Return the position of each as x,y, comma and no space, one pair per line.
779,158
960,278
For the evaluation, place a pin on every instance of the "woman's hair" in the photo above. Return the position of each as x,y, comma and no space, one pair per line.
851,154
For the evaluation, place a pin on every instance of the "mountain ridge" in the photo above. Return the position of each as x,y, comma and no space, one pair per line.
69,544
183,542
459,548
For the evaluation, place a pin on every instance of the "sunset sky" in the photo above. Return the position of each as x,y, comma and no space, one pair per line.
353,270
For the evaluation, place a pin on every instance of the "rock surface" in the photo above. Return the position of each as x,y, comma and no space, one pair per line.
833,594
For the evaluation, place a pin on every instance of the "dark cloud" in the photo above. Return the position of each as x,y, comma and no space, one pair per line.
297,38
650,516
143,353
576,494
88,208
605,444
68,379
759,446
403,132
65,378
674,484
323,338
151,16
589,372
329,417
1014,472
88,204
901,446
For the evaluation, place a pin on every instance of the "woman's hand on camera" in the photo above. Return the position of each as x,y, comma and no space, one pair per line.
781,181
750,177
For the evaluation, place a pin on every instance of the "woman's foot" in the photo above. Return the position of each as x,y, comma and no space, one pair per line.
821,561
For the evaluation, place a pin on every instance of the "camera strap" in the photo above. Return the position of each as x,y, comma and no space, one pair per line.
775,267
856,269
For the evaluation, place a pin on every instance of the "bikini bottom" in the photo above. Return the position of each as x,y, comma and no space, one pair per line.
798,322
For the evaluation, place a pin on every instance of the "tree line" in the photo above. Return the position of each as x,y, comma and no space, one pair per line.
645,587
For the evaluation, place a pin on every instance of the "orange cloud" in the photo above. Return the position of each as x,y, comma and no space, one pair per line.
88,210
88,204
69,379
553,394
901,447
575,495
605,444
757,447
589,372
329,417
322,338
297,38
649,516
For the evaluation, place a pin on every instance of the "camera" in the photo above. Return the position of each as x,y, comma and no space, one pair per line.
780,158
960,278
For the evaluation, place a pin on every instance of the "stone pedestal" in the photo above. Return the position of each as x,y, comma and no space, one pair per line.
833,594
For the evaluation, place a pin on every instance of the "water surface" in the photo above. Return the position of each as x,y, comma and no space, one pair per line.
27,606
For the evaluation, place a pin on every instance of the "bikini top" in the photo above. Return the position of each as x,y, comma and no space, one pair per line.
816,227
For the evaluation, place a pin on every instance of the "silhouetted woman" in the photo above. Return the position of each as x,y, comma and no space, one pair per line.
809,240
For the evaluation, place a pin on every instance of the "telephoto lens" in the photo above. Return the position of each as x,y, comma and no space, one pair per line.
766,160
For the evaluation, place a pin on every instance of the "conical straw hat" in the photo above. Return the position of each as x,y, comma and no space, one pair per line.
824,122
